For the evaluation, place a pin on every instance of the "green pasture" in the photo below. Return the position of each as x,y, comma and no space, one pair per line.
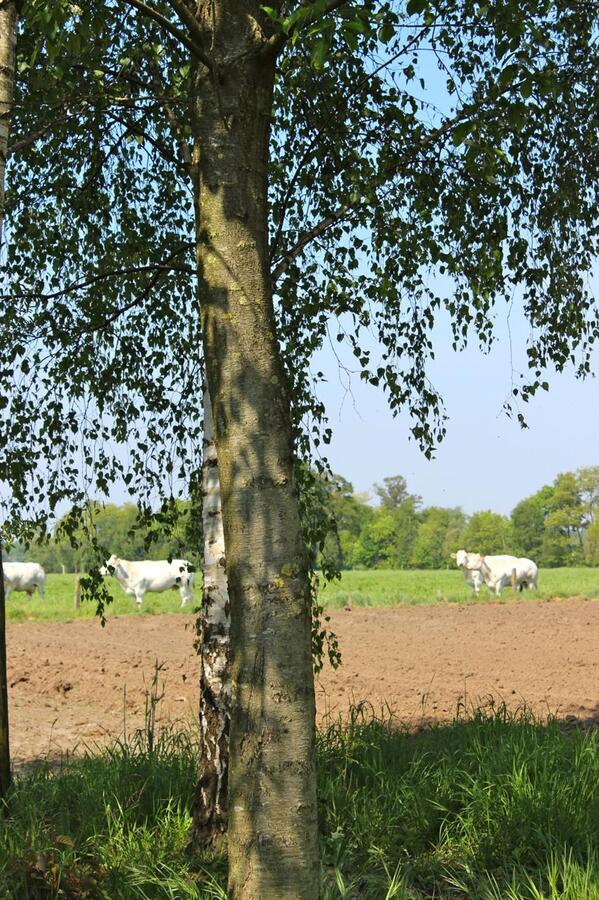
491,807
375,587
59,602
406,587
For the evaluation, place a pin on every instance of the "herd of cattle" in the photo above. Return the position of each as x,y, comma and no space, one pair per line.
137,578
497,571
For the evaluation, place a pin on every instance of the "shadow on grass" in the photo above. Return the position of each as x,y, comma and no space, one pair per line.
496,806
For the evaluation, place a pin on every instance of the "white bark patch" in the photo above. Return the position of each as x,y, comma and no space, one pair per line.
215,681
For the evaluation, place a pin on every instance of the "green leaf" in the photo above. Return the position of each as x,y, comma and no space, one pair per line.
516,115
507,75
386,32
320,51
526,88
416,6
462,131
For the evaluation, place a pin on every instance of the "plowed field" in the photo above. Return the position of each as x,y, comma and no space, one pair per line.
74,684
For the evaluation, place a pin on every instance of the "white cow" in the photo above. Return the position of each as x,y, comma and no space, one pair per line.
151,575
474,577
23,576
499,571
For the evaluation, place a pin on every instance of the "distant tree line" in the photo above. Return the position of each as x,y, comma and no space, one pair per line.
120,530
556,526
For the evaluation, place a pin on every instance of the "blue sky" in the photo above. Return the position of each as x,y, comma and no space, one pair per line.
486,460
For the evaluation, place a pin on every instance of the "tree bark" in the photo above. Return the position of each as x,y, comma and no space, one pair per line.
210,804
5,774
272,834
9,15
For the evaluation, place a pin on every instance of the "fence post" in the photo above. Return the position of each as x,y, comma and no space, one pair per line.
77,597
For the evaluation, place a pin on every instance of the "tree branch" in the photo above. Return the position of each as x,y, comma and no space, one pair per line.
174,123
159,271
191,45
342,211
307,153
188,19
276,42
33,136
164,266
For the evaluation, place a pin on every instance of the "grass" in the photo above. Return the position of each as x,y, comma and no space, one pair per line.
380,587
493,807
59,602
377,587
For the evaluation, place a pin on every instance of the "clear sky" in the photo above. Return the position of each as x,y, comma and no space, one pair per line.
487,461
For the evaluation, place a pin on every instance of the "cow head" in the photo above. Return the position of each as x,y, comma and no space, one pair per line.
110,565
470,561
461,558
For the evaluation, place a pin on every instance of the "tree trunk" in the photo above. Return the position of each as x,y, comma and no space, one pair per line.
210,805
272,835
5,776
9,13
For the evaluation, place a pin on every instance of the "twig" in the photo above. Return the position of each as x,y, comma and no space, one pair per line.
173,30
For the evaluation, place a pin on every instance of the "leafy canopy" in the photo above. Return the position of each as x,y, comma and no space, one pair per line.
427,158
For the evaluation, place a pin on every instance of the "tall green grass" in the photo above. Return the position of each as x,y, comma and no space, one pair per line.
377,587
493,807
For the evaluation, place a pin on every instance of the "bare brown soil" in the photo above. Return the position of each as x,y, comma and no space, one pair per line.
76,684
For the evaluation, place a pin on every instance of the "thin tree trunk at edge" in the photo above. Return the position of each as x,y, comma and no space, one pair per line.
9,15
5,776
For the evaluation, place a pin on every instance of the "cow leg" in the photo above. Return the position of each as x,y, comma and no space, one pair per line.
41,589
139,597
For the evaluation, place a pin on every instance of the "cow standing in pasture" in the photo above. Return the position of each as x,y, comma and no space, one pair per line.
499,571
155,576
23,576
474,579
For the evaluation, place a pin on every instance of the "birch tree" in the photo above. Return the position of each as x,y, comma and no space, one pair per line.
9,13
327,186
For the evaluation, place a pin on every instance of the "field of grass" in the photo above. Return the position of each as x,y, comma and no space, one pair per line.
59,602
380,587
495,807
377,587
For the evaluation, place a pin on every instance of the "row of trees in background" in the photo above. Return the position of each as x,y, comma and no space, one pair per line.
556,526
118,530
